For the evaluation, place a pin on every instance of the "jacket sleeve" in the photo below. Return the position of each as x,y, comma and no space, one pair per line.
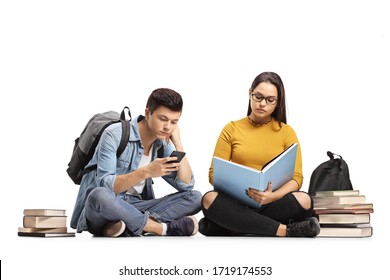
107,159
172,178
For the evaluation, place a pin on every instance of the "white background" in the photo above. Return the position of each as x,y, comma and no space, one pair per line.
63,61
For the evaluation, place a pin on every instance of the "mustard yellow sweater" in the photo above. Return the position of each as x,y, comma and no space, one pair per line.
254,145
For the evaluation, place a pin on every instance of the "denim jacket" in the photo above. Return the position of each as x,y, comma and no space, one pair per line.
108,166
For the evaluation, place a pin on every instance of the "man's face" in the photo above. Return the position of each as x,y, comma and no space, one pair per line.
162,122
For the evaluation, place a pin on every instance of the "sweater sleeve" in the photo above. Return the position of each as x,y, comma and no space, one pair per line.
223,147
291,138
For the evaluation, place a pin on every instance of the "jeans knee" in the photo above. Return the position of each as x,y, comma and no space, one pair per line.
208,199
99,195
196,196
304,199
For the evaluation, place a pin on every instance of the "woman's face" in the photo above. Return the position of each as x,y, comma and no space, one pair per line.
263,100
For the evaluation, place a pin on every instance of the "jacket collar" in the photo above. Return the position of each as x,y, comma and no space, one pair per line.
135,135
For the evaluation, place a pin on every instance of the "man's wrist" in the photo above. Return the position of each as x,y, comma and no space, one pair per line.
179,147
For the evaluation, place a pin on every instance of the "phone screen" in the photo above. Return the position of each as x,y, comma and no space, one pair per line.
177,154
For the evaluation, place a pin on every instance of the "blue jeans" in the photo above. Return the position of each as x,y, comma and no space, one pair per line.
103,206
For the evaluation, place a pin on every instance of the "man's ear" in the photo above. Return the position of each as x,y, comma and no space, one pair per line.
147,111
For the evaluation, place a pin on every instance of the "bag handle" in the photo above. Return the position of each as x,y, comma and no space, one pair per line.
331,155
123,117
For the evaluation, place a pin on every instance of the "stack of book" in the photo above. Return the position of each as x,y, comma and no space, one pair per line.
44,223
344,213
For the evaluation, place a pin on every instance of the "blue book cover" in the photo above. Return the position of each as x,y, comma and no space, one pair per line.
233,178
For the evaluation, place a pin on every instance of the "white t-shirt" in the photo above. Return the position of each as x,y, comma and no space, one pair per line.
137,189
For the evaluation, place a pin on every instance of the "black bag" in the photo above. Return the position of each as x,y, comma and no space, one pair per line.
86,143
330,175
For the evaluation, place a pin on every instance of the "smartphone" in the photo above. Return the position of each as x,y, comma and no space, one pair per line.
177,154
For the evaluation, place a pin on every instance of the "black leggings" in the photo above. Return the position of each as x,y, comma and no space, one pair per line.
228,217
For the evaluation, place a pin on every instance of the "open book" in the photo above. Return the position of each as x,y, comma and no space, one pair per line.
234,179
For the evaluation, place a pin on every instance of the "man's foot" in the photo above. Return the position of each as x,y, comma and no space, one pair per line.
114,229
186,226
307,228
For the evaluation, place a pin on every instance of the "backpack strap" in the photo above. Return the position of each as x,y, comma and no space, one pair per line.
125,131
160,152
122,145
124,138
123,117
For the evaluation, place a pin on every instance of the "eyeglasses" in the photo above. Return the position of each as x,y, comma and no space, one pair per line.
270,100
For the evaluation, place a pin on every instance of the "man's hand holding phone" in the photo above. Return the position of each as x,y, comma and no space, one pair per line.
167,165
172,164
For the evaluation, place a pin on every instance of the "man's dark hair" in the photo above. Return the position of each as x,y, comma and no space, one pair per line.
164,97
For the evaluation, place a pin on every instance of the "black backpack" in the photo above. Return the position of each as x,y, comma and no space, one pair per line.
330,175
85,144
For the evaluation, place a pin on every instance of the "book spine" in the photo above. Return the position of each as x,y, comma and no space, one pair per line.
262,184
